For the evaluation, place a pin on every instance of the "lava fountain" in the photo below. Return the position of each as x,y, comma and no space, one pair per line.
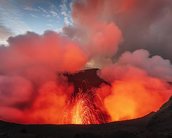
91,100
83,109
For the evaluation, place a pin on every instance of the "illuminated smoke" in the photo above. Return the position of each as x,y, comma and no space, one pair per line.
92,29
139,85
30,77
33,88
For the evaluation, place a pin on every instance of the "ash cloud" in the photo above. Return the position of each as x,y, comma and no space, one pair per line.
99,36
30,64
134,92
29,79
142,25
138,80
148,26
139,25
154,65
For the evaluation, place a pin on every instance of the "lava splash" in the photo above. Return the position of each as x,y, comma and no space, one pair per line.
85,107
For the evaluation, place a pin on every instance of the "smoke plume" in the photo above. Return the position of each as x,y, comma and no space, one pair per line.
139,85
29,72
33,88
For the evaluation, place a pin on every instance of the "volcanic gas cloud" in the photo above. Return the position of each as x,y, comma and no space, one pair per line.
34,89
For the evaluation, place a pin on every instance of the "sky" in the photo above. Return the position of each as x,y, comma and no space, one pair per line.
19,16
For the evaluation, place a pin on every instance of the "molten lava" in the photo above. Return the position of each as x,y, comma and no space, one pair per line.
92,101
83,109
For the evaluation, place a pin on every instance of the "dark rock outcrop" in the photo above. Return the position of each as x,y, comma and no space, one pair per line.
161,122
85,80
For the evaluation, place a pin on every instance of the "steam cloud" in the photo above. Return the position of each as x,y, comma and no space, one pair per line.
33,91
139,84
29,67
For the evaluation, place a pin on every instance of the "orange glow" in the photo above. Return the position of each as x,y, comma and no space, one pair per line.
127,98
134,98
84,110
33,88
127,5
48,107
81,111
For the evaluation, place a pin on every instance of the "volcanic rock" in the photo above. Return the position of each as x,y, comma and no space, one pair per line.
85,80
161,122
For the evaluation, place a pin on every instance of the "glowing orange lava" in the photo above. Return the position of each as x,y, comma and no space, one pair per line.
84,110
135,98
